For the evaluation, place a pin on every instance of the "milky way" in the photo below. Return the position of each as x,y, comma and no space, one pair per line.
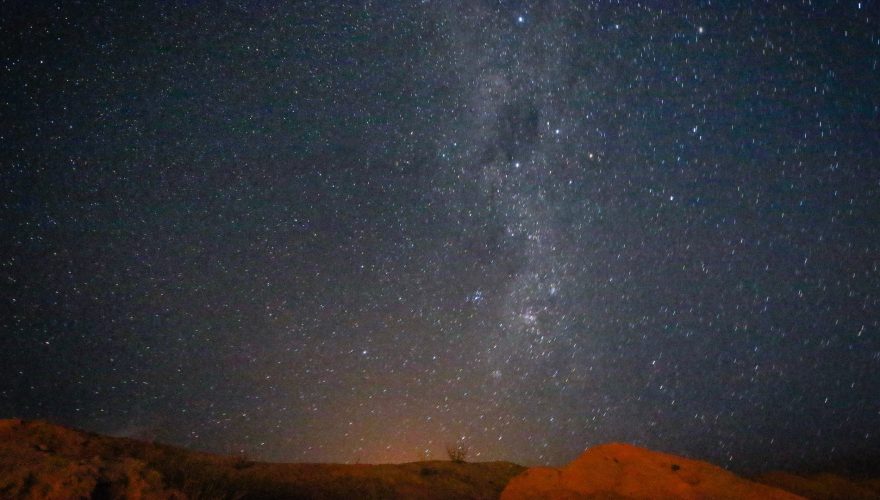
323,232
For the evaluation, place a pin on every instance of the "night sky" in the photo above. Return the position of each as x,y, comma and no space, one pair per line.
335,233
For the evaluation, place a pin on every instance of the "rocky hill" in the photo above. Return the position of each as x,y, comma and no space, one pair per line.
621,471
39,460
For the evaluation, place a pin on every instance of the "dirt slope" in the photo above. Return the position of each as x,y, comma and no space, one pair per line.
41,460
824,486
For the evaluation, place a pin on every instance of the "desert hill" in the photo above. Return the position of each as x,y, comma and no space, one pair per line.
42,460
39,460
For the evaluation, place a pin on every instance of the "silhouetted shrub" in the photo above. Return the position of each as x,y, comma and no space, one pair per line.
457,453
241,461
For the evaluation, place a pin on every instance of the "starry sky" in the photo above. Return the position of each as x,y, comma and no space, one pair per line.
340,232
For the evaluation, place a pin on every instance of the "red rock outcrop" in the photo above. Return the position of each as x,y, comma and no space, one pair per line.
621,471
44,461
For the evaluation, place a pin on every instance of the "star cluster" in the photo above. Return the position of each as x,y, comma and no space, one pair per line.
327,231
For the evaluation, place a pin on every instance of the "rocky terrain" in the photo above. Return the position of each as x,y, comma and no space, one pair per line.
39,460
625,471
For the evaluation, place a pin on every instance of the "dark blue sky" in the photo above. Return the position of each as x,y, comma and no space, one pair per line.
325,232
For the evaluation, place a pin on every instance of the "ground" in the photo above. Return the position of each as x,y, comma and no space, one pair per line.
39,460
